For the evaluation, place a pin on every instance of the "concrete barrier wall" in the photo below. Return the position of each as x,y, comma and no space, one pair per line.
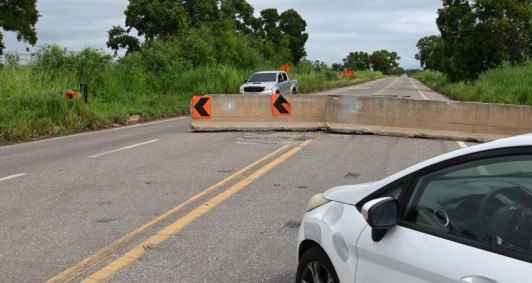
254,112
370,115
427,118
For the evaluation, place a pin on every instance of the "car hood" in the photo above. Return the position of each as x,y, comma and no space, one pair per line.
263,84
349,194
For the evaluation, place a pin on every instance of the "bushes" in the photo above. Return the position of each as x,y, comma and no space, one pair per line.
506,84
156,82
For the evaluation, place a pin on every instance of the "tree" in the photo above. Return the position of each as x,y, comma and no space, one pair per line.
241,12
482,34
384,61
156,18
357,61
19,16
431,53
337,67
455,22
282,36
119,39
293,27
269,25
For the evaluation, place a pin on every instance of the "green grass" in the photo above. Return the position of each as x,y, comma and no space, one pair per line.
506,85
32,105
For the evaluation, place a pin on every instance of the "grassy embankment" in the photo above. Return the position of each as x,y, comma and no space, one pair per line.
506,84
32,105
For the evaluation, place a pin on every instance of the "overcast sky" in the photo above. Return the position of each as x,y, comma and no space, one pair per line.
335,27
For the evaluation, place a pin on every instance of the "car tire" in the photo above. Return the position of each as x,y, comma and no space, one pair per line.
316,267
294,91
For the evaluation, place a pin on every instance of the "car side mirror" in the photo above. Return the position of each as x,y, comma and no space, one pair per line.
381,214
245,81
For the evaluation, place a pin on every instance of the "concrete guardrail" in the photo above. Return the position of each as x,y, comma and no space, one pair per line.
369,115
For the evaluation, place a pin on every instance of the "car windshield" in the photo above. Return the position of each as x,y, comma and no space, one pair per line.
263,77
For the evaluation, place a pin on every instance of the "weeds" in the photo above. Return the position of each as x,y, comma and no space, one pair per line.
506,85
153,83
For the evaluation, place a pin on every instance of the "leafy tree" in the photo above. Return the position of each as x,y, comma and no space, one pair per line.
200,11
357,61
293,27
119,39
280,38
482,34
19,16
241,12
337,67
384,61
156,18
431,53
269,25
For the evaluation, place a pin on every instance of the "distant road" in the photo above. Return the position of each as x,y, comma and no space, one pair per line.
403,87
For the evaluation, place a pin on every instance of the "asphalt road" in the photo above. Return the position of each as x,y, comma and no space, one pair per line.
402,87
158,203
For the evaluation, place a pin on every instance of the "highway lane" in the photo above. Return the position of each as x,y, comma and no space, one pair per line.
70,205
402,87
251,237
64,200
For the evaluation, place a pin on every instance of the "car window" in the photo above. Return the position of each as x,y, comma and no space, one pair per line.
262,77
488,201
394,192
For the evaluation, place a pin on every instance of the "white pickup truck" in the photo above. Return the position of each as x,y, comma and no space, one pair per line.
269,82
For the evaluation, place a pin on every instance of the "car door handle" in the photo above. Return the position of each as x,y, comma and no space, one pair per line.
476,279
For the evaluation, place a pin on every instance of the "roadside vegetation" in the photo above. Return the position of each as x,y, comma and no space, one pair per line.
201,47
152,84
506,84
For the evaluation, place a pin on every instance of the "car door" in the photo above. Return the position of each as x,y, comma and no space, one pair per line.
466,220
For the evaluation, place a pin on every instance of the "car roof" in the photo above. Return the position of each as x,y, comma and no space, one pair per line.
264,72
515,141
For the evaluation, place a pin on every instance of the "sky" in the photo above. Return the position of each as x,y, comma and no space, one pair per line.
335,27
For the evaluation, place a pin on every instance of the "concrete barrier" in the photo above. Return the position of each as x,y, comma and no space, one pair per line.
254,113
427,118
369,115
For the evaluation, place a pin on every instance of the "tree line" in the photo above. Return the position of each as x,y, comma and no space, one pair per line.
199,31
478,35
382,60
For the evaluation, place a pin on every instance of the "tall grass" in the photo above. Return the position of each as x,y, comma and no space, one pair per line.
506,84
152,84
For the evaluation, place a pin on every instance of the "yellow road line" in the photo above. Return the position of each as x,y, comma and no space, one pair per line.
387,87
131,256
99,256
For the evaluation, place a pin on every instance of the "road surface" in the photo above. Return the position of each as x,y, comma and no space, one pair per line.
158,203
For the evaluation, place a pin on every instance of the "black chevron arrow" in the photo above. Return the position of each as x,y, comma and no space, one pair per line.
199,106
279,105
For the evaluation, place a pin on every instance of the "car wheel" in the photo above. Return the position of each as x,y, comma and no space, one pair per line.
294,91
316,267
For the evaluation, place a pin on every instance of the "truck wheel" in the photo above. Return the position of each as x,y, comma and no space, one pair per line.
294,91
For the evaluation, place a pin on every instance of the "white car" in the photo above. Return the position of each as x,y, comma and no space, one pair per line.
465,216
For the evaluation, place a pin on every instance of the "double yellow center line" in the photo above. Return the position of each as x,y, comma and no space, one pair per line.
155,240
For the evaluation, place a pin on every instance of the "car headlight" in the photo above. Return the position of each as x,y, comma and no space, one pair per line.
316,201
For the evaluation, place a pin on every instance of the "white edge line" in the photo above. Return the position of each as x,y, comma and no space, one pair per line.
122,148
462,144
418,89
98,131
13,176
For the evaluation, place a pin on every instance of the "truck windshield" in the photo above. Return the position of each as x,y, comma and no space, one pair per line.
263,77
